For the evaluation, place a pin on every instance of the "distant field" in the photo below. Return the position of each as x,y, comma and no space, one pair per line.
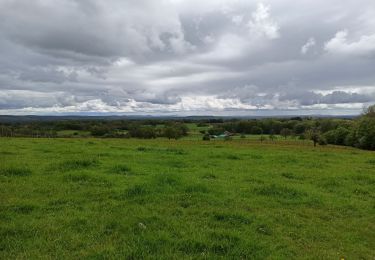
136,199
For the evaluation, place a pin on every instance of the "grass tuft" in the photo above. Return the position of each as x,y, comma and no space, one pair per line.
13,171
176,164
77,164
136,191
167,180
256,156
233,157
175,151
372,161
121,169
197,188
23,209
190,246
142,149
209,176
231,218
291,176
86,179
264,230
277,191
162,150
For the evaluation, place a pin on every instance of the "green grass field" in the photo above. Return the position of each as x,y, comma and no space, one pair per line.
140,199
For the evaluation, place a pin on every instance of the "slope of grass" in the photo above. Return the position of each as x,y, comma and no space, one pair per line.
112,198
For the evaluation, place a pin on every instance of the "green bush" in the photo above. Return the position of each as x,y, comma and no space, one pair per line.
256,130
322,140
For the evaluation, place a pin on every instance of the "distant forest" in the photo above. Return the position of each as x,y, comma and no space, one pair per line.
358,132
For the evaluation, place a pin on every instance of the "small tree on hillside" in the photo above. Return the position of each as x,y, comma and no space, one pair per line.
313,134
285,132
272,135
175,131
171,132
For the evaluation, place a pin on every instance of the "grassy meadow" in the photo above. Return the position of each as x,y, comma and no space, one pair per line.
186,199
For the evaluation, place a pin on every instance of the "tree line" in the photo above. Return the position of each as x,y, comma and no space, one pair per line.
358,132
145,129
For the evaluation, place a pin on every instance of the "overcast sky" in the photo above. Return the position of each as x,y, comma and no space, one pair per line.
187,57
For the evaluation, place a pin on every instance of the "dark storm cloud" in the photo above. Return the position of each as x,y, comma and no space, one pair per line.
181,56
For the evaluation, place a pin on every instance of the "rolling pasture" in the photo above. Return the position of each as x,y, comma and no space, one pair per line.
167,199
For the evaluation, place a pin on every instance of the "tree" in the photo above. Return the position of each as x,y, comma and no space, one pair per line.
175,131
99,130
370,111
362,134
272,135
313,134
341,134
146,132
299,128
330,137
256,130
365,133
216,131
285,132
337,136
171,132
322,140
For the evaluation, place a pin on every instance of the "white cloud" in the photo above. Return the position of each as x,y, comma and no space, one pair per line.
208,39
308,45
340,44
228,46
237,19
262,23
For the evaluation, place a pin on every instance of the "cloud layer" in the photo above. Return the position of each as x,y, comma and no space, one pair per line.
186,57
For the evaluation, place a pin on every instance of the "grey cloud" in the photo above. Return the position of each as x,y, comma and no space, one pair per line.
93,28
308,98
343,97
47,75
24,99
184,55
